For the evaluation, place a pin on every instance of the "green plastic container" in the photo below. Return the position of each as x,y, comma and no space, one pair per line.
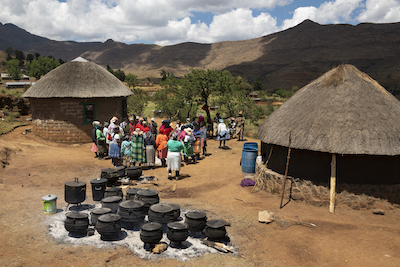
49,204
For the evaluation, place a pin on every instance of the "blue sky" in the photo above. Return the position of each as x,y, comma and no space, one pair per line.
176,21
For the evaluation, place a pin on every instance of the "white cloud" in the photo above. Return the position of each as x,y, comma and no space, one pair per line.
338,11
380,11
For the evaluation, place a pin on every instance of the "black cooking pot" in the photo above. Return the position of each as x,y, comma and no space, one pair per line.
131,193
177,232
196,220
132,213
113,191
176,209
148,196
75,191
134,172
161,213
111,203
76,223
111,174
151,233
96,213
98,188
109,226
120,171
215,230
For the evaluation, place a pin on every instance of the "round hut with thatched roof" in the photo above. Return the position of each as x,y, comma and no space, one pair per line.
344,118
69,98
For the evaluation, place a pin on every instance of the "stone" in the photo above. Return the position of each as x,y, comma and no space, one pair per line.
378,212
297,196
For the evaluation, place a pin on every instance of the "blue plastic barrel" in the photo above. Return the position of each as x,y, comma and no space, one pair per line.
249,156
250,144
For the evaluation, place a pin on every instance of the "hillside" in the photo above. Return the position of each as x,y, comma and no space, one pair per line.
293,57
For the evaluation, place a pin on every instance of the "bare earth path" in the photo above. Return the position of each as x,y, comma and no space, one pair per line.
37,168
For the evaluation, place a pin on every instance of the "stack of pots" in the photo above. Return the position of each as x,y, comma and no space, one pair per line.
111,174
111,203
98,188
76,223
96,213
161,213
151,233
149,197
75,192
132,214
109,226
113,191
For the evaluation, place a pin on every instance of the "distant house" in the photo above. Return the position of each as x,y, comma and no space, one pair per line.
146,84
6,77
11,85
253,94
69,98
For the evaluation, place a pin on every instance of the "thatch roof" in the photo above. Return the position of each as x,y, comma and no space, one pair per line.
78,79
344,111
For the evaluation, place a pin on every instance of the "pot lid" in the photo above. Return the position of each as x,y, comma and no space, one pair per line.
147,192
175,206
131,204
109,218
161,208
119,168
98,181
113,189
75,183
101,211
151,226
134,168
196,215
76,215
133,191
216,223
108,170
177,226
111,199
49,197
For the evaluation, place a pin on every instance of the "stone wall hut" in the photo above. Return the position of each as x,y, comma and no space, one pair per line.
344,113
66,100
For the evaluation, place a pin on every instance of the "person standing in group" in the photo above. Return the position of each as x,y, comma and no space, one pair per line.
188,142
94,138
240,126
105,133
200,119
166,127
161,143
114,153
126,151
223,133
231,128
174,156
145,128
137,147
132,125
203,134
153,128
178,126
215,124
101,143
151,147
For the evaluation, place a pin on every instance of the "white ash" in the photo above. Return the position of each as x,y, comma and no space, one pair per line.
193,247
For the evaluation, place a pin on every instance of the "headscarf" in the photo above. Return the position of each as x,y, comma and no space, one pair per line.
174,136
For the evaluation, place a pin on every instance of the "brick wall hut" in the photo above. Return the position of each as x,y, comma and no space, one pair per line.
343,114
66,100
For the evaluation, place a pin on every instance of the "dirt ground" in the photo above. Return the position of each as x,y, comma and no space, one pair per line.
37,168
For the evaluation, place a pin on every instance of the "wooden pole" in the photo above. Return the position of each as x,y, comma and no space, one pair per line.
287,167
333,184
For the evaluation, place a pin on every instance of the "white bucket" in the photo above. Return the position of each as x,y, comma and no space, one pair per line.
49,204
259,158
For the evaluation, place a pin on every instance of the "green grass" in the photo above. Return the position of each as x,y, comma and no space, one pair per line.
7,126
11,92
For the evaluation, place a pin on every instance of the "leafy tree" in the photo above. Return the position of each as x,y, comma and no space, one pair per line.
132,80
30,57
9,51
19,55
41,66
165,75
13,69
257,84
61,61
137,102
37,55
120,74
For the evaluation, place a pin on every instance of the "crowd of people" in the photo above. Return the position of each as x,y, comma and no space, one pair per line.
137,141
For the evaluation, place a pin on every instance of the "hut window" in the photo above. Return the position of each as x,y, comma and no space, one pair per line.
89,112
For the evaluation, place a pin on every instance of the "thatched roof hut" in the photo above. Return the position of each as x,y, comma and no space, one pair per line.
67,99
344,112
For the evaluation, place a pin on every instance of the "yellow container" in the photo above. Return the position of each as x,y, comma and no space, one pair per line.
49,204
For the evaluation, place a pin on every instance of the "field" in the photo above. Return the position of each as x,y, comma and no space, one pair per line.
33,168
